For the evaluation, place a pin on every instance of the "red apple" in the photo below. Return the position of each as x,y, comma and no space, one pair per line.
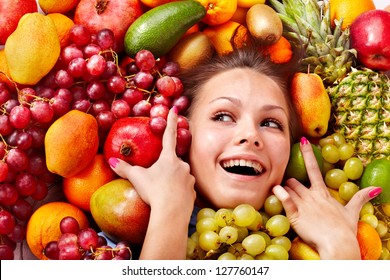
370,36
120,212
116,15
132,140
10,13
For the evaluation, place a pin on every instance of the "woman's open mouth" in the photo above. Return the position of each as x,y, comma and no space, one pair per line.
242,167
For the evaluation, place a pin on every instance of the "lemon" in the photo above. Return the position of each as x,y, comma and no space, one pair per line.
296,165
377,173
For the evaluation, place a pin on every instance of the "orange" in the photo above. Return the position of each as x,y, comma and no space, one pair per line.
44,225
240,15
369,241
57,6
387,8
155,3
79,188
63,25
192,29
348,10
227,37
279,52
218,11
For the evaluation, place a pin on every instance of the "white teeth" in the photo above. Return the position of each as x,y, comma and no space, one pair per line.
242,162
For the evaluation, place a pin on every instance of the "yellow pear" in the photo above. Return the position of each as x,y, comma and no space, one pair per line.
302,251
312,102
32,50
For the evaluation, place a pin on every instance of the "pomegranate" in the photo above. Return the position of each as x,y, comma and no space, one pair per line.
116,15
132,140
10,13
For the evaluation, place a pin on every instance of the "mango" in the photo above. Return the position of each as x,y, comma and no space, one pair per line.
32,49
71,143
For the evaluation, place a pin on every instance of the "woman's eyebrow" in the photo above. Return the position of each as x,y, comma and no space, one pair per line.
230,99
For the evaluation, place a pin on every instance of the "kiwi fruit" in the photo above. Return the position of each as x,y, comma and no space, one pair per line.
191,50
264,24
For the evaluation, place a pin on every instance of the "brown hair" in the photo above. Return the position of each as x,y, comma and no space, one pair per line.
249,57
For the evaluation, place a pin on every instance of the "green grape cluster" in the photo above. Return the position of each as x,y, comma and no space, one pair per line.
242,233
342,171
341,168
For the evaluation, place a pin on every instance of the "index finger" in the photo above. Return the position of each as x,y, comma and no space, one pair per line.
170,133
311,164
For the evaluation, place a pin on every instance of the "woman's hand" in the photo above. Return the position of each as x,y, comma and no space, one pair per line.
168,187
318,218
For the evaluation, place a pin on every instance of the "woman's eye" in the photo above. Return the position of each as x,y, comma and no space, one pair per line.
272,124
222,117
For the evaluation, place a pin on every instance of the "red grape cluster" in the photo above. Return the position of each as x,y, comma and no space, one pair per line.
89,76
84,244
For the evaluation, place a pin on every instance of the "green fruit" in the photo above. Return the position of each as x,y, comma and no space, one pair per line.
296,165
160,28
377,173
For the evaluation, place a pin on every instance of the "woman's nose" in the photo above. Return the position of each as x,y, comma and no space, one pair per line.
245,140
249,134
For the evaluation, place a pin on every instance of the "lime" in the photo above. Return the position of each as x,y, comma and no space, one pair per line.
377,173
296,165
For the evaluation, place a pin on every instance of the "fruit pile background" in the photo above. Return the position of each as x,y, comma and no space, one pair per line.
102,75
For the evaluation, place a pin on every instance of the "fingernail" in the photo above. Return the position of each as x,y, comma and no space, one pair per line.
175,110
374,192
113,162
304,141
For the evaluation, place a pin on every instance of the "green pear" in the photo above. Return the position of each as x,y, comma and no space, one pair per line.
296,165
312,103
120,212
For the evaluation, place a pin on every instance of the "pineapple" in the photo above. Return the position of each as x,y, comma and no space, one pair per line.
307,24
361,112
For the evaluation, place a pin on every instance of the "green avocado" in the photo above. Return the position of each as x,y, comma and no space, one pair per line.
160,28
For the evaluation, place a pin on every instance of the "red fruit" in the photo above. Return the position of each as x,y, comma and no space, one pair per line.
370,36
132,140
10,13
116,15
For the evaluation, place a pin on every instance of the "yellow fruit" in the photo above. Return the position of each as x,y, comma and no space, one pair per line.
71,143
155,3
57,6
44,225
348,10
302,251
249,3
312,102
32,49
63,25
335,194
5,76
228,36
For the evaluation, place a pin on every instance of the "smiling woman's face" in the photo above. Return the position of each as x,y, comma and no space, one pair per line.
241,139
